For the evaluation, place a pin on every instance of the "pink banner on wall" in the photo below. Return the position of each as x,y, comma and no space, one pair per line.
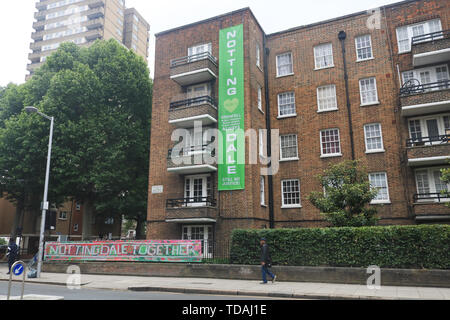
146,250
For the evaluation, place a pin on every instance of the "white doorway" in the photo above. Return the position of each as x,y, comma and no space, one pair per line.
200,232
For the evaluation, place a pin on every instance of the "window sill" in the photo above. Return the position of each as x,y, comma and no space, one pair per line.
291,207
331,155
287,116
329,110
369,104
289,159
381,202
284,75
368,59
327,67
375,151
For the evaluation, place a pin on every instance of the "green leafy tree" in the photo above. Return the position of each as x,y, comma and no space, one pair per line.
446,178
101,100
346,197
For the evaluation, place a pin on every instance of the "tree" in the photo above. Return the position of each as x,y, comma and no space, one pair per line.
446,178
101,100
346,197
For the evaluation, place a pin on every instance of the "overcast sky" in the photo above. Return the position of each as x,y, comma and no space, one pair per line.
16,19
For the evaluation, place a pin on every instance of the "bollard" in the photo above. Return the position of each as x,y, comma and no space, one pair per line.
19,272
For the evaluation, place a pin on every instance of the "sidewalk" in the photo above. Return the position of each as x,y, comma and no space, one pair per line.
294,290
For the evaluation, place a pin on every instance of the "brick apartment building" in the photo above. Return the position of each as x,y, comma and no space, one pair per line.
372,86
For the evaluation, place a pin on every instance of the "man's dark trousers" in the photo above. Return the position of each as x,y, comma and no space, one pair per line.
265,270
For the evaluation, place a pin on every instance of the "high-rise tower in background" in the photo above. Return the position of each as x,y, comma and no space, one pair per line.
83,22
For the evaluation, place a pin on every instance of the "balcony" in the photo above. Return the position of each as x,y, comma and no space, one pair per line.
193,161
96,3
194,69
34,66
183,113
430,207
431,48
200,209
428,151
96,13
421,99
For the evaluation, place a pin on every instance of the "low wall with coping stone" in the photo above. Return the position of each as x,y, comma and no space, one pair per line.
389,277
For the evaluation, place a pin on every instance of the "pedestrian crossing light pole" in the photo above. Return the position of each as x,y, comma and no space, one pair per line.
45,205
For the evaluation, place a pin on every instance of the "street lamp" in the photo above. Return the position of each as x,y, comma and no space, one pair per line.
45,205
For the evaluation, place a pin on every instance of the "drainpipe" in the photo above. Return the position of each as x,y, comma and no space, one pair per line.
269,131
342,36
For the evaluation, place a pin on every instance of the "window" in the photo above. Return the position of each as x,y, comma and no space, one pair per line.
330,143
262,190
260,98
363,48
262,144
284,65
379,181
75,227
368,91
429,75
119,21
406,33
258,56
373,137
430,185
290,193
78,206
62,215
109,221
323,56
326,98
199,52
428,130
288,147
286,105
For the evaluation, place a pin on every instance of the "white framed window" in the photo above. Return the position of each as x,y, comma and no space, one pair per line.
258,56
406,33
262,143
430,185
323,56
379,181
75,227
262,190
326,98
62,215
373,138
284,64
363,45
198,51
368,91
428,75
286,105
429,130
78,206
290,193
260,98
288,147
330,144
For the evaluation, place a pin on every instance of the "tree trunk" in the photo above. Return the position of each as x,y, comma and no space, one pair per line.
140,234
17,219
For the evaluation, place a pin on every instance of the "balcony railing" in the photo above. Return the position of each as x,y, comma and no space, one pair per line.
188,151
192,102
436,197
413,86
193,58
430,37
191,202
428,141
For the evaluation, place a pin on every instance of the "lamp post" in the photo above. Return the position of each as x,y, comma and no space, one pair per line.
45,205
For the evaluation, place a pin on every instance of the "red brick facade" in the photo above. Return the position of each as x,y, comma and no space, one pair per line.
243,209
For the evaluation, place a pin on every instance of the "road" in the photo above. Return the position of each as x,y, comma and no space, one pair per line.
96,294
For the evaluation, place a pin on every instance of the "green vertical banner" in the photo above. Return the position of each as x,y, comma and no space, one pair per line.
231,155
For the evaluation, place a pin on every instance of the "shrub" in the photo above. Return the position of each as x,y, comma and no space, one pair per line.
424,246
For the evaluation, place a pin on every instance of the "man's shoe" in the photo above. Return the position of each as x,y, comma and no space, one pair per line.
274,278
263,282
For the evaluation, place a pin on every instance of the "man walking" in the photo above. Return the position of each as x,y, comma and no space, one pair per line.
11,253
266,262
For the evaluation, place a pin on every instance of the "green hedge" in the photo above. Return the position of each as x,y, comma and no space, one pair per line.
424,246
